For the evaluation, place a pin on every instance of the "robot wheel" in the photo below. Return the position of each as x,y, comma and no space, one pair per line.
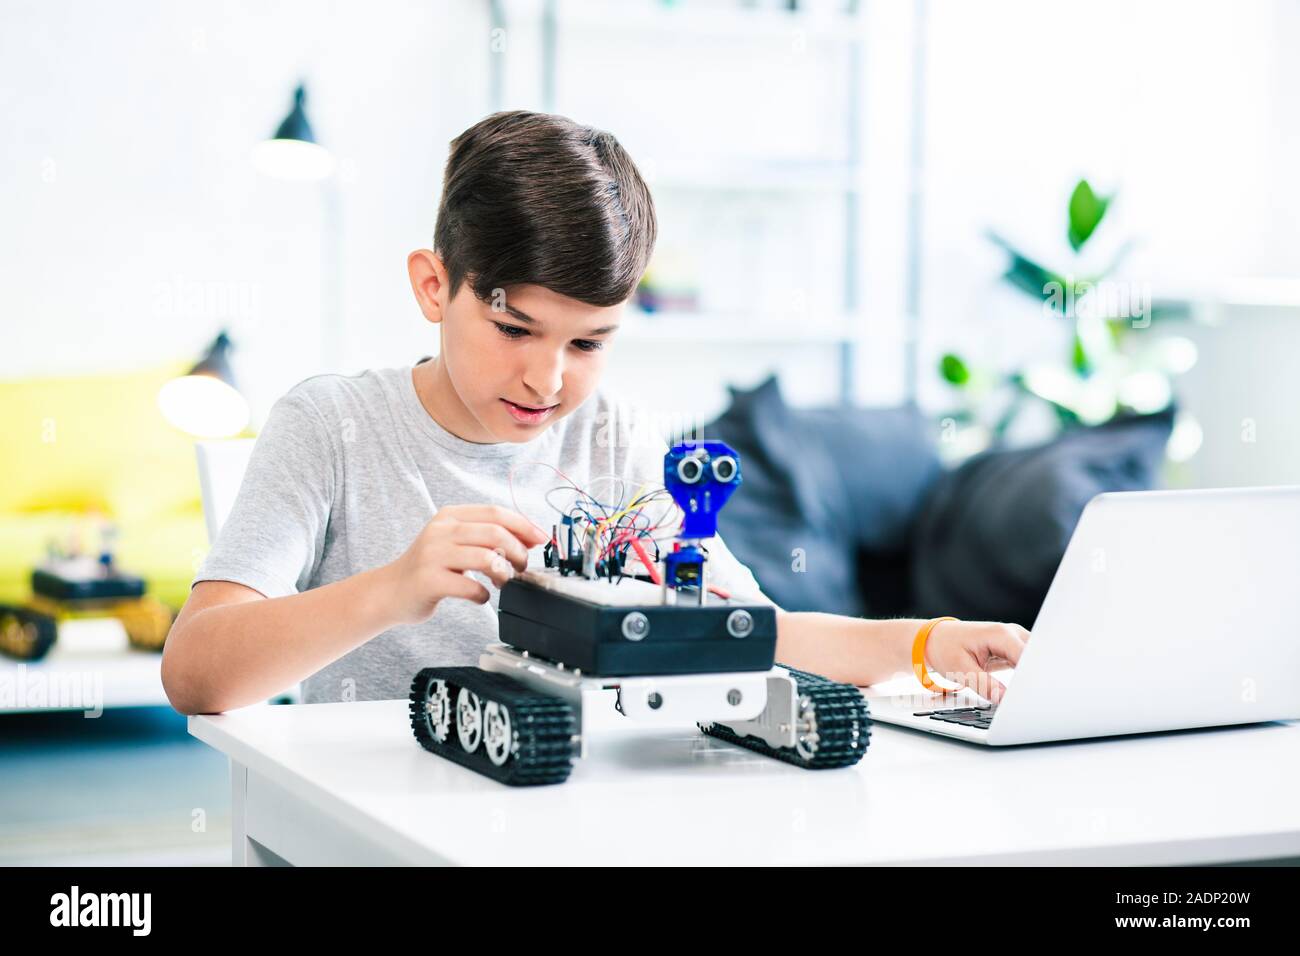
25,634
833,726
493,725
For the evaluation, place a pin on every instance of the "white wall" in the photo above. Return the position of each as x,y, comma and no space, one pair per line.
1244,392
134,225
1184,109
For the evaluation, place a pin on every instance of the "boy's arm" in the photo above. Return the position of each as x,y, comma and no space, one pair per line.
859,651
231,647
862,652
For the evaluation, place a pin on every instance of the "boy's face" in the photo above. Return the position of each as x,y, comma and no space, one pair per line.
511,367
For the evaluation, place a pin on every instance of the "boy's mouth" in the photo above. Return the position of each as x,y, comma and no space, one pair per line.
528,414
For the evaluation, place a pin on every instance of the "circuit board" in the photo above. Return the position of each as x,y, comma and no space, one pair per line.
624,592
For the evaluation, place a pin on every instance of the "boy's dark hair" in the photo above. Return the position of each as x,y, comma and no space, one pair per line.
533,198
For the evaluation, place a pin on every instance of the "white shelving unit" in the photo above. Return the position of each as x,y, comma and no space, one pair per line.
773,329
567,27
90,668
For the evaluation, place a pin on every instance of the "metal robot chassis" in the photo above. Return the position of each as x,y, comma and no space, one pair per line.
520,719
567,642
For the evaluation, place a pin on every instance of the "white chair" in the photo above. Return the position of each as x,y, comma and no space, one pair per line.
221,472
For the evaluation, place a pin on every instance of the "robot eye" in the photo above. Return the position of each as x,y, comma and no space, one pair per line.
724,468
690,470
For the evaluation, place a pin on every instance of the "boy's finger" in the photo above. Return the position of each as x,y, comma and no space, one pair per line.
483,560
1006,645
463,586
987,686
512,521
981,682
495,537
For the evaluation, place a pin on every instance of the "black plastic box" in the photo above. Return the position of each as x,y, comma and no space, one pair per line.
50,585
681,639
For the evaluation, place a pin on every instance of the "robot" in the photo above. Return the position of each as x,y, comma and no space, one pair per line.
70,585
672,650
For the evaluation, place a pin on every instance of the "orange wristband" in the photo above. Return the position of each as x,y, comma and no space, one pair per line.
918,656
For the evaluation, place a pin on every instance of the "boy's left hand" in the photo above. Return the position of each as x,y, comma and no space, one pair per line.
966,652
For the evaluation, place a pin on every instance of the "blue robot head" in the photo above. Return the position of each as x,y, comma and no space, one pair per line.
701,476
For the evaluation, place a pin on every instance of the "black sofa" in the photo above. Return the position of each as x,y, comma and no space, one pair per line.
849,510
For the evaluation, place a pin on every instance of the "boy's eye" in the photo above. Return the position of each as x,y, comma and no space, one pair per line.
515,332
510,331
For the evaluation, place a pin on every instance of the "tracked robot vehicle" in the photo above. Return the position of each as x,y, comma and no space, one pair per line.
672,649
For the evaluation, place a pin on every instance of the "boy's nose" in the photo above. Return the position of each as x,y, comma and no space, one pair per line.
544,380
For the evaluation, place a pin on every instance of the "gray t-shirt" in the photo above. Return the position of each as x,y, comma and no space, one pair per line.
349,469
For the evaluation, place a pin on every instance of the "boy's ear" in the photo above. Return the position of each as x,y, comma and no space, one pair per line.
429,283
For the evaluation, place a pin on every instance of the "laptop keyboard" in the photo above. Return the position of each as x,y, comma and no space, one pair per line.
976,717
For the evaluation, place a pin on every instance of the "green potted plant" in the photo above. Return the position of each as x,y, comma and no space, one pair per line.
1118,363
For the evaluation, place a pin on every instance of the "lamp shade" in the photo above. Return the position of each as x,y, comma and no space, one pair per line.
293,153
295,125
205,402
216,360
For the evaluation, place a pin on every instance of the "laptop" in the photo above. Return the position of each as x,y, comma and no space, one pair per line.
1170,610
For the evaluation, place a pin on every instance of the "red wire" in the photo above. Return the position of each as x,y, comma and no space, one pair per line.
616,540
653,571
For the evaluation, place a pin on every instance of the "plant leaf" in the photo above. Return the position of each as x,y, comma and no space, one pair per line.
954,370
1086,212
1031,278
1080,357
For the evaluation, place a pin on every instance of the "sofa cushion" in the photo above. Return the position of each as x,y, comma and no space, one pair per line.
993,531
94,443
822,487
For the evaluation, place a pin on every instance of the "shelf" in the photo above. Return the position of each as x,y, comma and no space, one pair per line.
735,328
813,178
1281,292
89,676
825,43
826,22
82,680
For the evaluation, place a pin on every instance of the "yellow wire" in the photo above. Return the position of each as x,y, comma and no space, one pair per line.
617,515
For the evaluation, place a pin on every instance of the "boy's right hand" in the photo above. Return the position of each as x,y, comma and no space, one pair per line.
459,538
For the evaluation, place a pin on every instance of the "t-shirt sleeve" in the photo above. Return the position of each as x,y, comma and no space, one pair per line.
274,536
727,572
645,464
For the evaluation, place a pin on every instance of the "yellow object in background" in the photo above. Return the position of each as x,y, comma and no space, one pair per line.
72,447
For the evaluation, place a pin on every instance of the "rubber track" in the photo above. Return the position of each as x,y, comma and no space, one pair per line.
543,725
843,724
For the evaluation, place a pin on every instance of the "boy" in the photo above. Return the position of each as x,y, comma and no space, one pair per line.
376,518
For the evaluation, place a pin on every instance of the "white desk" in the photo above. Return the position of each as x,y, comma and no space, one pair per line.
347,783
